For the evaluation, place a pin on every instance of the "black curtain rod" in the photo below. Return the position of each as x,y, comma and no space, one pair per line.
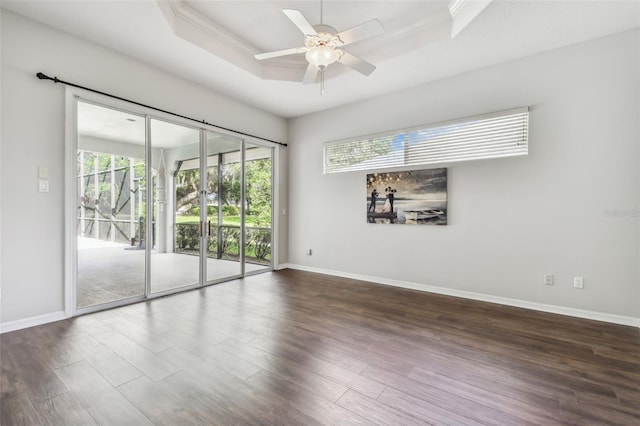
42,76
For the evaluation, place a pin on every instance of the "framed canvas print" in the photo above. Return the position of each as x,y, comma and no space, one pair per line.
417,197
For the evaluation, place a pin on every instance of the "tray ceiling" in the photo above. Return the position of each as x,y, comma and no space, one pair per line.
212,42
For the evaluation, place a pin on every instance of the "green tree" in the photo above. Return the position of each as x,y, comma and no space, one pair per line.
258,195
231,184
258,189
187,189
355,152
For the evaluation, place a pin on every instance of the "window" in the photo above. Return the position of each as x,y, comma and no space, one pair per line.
501,134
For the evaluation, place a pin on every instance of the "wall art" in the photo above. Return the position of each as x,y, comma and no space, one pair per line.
417,197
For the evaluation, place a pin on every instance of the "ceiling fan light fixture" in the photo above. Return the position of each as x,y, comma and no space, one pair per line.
321,56
323,45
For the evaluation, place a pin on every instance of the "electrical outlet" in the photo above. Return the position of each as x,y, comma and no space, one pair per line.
578,282
548,280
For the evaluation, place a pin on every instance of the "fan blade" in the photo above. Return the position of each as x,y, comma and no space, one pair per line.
356,63
360,32
310,75
267,55
301,22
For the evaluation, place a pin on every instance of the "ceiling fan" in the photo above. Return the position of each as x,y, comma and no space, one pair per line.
323,45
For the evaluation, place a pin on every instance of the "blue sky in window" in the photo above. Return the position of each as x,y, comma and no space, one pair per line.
398,142
423,135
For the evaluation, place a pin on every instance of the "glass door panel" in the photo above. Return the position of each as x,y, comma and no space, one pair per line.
110,205
175,237
259,198
224,206
162,207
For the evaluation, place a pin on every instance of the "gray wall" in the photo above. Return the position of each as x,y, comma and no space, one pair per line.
33,120
569,208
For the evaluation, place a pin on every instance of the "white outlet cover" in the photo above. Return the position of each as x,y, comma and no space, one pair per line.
43,185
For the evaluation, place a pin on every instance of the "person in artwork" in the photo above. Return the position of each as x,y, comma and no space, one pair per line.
388,204
374,195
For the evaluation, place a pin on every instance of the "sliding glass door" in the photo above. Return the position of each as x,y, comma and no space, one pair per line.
175,238
239,207
110,205
258,164
164,207
224,207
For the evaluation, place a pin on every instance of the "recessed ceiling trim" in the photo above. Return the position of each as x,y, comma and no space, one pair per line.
463,12
195,28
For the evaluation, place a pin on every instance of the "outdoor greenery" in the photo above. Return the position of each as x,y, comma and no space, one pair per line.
97,197
257,210
258,193
258,178
257,242
355,152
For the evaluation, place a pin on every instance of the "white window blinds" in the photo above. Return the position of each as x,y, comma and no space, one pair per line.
501,134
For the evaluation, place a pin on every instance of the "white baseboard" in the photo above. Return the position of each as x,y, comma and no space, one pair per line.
554,309
561,310
6,327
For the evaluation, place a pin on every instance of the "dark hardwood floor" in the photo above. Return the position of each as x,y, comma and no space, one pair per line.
291,347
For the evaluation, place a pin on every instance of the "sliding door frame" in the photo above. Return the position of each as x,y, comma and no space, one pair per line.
72,96
274,197
204,184
204,216
151,206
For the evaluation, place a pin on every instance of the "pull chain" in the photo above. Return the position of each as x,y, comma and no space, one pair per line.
322,71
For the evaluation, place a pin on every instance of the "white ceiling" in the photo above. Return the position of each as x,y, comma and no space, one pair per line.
213,42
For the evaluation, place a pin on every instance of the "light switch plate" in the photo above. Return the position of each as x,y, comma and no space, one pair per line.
43,173
43,185
578,282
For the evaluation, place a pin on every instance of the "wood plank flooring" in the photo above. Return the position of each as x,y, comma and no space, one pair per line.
296,348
